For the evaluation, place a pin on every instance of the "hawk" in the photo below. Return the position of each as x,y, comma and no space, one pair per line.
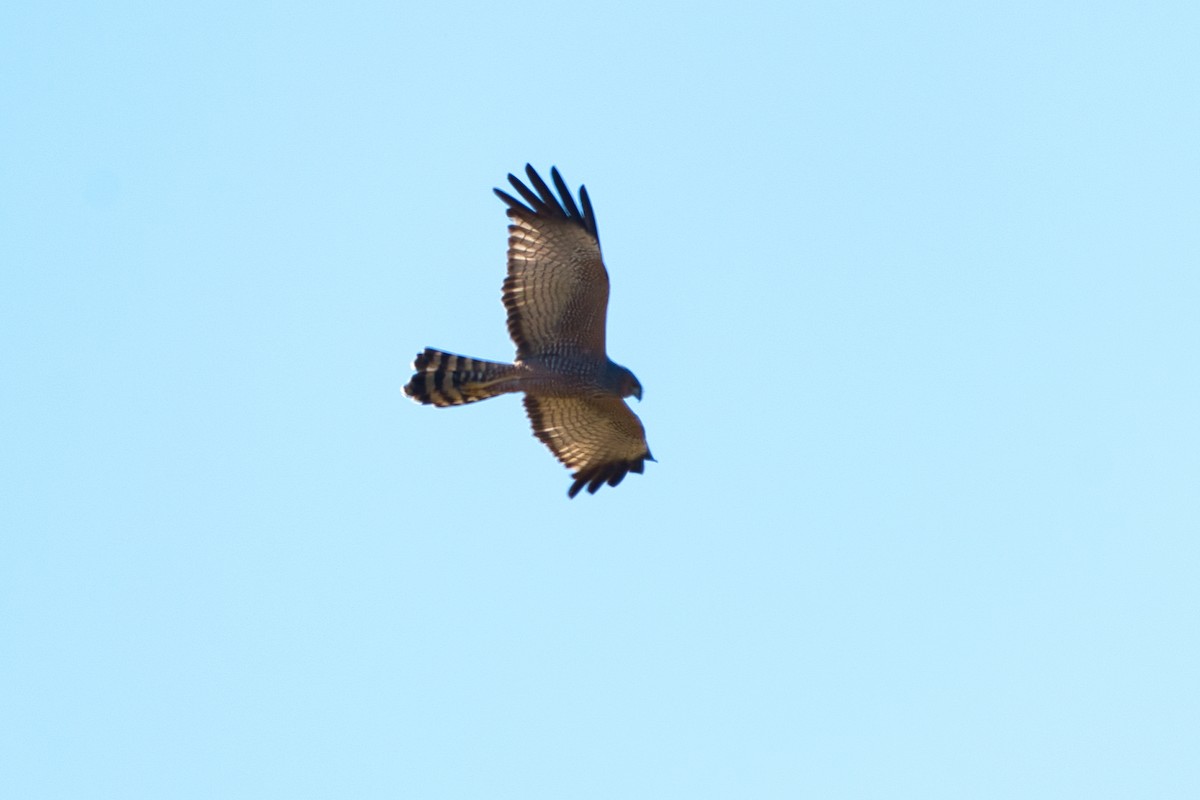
556,295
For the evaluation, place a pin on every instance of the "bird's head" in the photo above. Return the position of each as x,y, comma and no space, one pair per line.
627,382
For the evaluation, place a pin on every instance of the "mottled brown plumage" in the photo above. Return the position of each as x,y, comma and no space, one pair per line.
556,294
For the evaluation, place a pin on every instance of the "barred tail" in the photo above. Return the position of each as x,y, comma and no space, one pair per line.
446,379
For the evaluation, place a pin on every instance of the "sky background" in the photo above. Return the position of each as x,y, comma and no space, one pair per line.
912,290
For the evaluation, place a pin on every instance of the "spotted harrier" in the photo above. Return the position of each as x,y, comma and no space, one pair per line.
556,295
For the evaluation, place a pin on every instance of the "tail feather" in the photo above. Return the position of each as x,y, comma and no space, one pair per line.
445,379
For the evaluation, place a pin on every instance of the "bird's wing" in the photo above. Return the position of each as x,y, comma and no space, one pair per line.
595,436
556,291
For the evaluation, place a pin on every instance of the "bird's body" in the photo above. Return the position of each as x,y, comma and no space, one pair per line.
556,294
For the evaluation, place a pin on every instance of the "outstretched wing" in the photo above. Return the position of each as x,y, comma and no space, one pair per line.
596,436
556,291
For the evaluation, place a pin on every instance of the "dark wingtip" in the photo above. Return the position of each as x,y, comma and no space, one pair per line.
540,199
589,216
612,474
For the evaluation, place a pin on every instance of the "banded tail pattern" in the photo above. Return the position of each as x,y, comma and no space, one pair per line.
445,379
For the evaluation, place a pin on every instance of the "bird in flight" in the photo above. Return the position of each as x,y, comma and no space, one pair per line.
556,295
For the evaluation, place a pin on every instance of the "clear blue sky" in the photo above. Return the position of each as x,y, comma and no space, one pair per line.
913,292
